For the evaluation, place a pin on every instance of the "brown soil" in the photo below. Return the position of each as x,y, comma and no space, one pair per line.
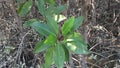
16,45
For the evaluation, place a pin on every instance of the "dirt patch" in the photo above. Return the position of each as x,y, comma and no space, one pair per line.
103,36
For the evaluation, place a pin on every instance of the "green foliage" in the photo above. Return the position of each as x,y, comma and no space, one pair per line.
52,24
42,28
40,46
66,52
76,44
29,22
24,8
59,41
49,57
50,1
59,55
41,6
68,24
78,21
50,40
60,9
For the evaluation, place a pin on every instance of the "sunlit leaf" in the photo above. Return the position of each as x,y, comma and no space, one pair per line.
50,1
24,8
50,40
49,57
68,24
59,18
77,45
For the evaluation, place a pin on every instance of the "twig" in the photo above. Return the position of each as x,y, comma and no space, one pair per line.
20,48
94,65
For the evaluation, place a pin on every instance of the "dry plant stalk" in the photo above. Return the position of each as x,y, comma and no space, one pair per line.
85,29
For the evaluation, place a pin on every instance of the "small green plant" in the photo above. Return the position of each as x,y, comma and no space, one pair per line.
59,40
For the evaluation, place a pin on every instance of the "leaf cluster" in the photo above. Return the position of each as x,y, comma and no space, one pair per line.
59,41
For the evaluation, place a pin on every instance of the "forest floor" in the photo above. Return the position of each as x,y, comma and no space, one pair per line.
103,36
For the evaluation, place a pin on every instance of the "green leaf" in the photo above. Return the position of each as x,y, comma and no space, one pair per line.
29,22
59,55
49,57
52,24
50,10
24,8
55,10
41,6
77,45
78,21
77,48
42,66
66,53
40,46
42,28
50,40
60,9
68,24
50,1
81,47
